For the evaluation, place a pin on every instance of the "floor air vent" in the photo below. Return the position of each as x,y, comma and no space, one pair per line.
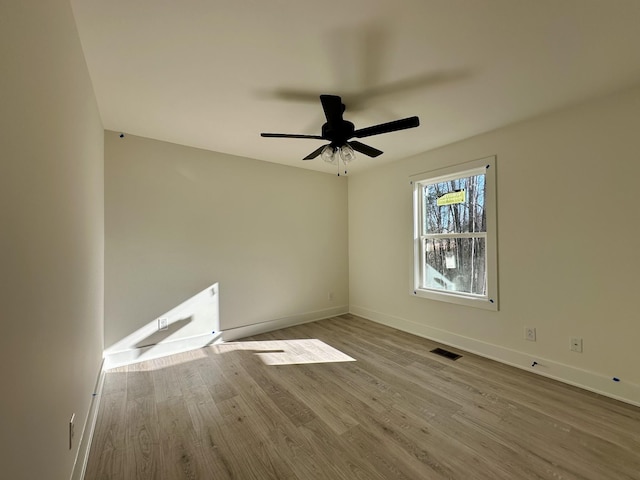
446,353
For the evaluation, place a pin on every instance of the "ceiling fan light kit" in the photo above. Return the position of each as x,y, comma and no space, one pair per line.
328,154
333,155
339,133
347,154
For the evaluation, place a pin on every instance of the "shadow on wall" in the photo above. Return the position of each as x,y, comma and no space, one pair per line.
192,322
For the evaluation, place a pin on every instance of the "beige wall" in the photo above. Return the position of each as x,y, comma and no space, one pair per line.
51,239
180,219
568,246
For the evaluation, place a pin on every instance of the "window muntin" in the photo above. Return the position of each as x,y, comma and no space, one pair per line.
454,237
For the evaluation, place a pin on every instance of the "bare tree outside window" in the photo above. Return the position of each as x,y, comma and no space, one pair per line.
451,238
454,235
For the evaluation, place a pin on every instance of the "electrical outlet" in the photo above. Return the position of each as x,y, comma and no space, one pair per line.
530,334
576,344
163,323
330,296
72,430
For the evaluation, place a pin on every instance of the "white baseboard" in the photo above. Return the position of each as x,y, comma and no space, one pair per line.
595,382
278,323
82,455
135,355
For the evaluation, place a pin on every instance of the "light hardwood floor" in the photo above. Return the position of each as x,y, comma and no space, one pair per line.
246,411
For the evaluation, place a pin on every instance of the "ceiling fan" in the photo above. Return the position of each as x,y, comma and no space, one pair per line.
339,132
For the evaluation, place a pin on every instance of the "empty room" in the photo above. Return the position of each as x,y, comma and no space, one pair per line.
320,240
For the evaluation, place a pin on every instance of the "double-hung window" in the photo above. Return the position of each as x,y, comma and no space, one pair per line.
455,234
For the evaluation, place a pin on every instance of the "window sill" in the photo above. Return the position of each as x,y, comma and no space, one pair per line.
486,303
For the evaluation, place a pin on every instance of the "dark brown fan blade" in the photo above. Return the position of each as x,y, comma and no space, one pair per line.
332,106
366,149
290,135
315,153
402,124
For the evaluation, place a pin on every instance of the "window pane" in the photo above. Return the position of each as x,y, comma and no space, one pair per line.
455,206
455,264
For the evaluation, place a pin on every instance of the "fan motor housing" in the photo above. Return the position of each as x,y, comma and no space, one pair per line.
339,135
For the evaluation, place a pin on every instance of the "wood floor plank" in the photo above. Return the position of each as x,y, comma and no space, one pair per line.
256,410
142,455
272,426
312,394
340,453
391,462
252,444
212,374
165,380
577,415
440,454
207,426
108,462
395,384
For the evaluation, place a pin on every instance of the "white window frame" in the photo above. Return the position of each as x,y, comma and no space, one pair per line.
489,301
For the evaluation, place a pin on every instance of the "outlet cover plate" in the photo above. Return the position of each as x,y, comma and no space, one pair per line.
576,344
163,323
530,334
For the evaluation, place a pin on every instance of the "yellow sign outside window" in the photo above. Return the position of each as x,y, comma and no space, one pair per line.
451,198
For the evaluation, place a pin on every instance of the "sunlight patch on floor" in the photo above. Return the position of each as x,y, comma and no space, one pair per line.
287,352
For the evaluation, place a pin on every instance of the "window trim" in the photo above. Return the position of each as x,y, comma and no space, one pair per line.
487,166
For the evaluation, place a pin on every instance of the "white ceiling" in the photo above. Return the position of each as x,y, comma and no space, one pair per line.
214,74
